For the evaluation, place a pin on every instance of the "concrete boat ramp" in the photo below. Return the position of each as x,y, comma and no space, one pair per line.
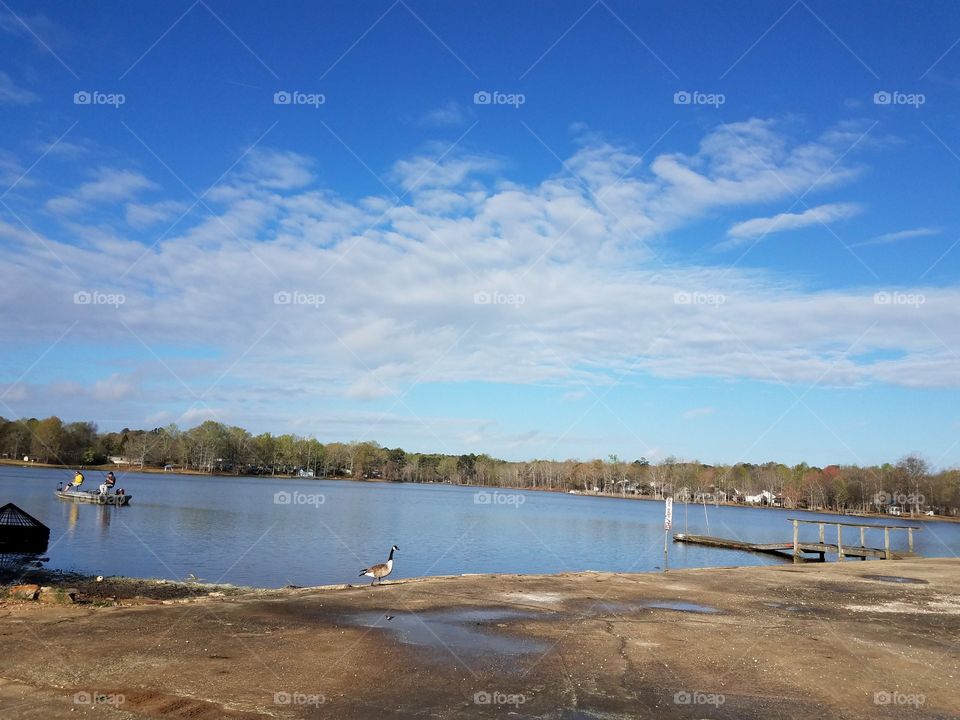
835,640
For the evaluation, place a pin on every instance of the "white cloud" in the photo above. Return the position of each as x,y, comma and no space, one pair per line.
159,419
28,26
113,388
893,237
11,171
745,231
11,94
109,185
141,215
200,413
14,393
400,285
698,412
368,387
425,172
449,113
64,205
60,148
278,170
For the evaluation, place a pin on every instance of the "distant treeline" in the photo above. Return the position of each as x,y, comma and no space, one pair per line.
212,447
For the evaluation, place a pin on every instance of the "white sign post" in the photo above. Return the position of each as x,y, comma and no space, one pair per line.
667,522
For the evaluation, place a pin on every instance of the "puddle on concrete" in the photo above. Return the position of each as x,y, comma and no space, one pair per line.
596,607
681,606
896,579
613,607
469,631
551,598
803,609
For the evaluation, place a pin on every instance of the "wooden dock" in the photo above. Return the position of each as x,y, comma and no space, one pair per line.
799,550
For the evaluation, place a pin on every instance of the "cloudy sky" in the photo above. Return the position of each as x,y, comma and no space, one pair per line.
720,232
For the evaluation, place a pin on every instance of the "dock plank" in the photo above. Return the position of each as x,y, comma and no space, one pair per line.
786,549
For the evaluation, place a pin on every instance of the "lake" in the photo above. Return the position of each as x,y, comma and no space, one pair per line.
271,532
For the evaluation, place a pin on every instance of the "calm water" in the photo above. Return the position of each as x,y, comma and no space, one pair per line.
233,530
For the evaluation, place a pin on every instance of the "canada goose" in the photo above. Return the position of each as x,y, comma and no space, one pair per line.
379,572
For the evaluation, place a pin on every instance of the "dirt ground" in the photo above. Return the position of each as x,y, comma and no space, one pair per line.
844,640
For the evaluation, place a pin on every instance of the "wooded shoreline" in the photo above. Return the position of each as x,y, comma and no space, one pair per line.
610,496
211,448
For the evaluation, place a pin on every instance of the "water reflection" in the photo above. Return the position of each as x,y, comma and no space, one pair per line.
105,513
73,517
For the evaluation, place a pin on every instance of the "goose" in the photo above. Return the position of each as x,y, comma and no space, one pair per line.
380,571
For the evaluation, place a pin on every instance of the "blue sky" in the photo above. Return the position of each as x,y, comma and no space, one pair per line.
717,232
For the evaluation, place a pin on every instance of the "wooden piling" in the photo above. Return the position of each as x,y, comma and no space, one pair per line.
796,541
886,543
840,556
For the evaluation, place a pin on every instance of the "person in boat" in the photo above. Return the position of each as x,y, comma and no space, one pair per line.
111,480
77,482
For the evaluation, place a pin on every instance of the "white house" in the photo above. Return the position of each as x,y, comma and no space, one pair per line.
764,498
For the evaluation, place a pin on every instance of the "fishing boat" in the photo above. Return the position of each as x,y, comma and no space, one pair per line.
92,496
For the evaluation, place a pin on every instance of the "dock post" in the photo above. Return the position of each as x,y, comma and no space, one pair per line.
839,543
886,543
822,541
910,538
862,541
796,541
665,558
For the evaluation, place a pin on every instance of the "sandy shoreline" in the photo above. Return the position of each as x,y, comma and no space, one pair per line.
843,640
